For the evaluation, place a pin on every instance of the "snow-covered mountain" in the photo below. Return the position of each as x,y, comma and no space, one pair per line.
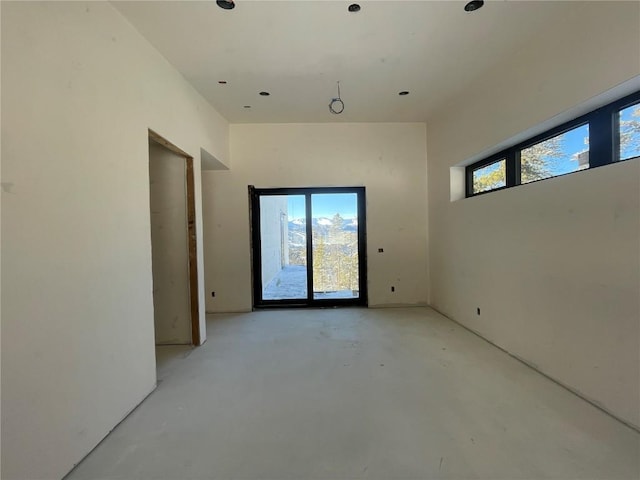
322,224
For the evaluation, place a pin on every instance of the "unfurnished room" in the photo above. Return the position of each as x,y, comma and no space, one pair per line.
319,239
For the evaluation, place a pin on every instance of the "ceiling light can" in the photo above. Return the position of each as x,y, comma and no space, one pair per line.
226,4
473,5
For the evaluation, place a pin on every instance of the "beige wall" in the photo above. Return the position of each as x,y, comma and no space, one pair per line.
272,208
80,88
388,159
555,265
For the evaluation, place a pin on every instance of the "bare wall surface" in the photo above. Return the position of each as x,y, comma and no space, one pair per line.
80,88
169,246
388,159
274,239
554,265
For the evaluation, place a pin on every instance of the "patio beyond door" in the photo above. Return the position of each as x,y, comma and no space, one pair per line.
308,246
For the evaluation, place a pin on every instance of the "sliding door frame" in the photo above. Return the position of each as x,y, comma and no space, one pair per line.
254,205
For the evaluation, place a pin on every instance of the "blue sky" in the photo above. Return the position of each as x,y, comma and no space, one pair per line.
324,205
573,142
626,115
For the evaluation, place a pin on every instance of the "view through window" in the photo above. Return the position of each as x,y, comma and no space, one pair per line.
564,153
335,245
629,121
310,244
606,135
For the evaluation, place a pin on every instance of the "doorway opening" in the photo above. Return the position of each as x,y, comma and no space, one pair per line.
173,244
308,246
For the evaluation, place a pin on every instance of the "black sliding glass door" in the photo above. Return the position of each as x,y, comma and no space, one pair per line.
309,246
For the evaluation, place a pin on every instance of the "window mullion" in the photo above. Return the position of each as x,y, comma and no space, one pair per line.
512,169
549,154
601,134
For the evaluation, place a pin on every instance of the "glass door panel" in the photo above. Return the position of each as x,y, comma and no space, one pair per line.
334,233
309,246
283,247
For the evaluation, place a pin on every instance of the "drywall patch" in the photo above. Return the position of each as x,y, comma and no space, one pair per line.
7,187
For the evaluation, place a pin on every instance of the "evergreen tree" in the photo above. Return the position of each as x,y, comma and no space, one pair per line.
319,264
335,257
630,132
536,162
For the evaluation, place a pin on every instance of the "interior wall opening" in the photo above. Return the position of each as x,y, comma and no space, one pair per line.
173,244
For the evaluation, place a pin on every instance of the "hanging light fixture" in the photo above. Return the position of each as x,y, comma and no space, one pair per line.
336,106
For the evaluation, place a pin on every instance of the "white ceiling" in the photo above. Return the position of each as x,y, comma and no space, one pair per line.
297,50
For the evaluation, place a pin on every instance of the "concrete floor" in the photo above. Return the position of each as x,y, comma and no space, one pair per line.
357,394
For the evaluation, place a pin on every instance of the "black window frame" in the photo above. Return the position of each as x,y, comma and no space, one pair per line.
254,214
485,163
604,145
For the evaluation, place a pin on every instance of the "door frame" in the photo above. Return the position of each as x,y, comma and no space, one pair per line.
196,334
256,258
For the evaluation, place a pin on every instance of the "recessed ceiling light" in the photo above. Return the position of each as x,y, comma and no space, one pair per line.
226,4
354,7
222,82
404,92
473,5
265,94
